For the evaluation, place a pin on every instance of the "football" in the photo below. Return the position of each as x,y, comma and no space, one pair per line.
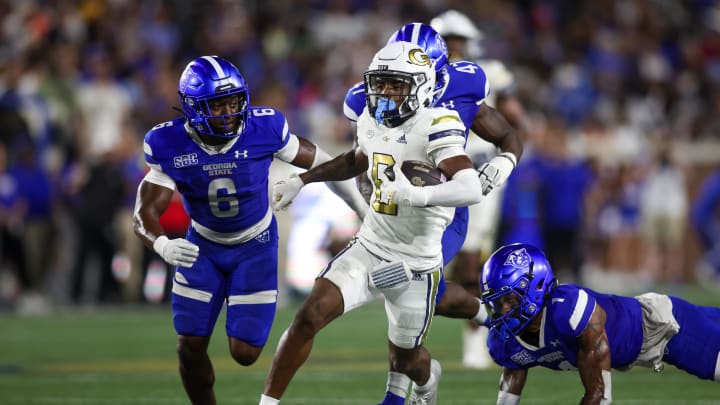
418,172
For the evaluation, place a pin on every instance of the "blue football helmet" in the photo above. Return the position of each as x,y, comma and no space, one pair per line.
426,38
207,78
518,274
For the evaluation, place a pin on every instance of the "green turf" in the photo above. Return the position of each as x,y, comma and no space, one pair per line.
127,357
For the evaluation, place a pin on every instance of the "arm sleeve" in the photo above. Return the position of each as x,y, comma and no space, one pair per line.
288,152
462,190
157,176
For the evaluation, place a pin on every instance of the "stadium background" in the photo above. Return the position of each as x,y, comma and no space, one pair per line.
630,86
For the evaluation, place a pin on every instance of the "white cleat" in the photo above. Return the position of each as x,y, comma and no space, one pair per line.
427,396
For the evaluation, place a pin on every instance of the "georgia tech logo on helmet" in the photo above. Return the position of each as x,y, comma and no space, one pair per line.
418,57
518,258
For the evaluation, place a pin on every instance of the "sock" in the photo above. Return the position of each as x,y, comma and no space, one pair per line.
482,316
426,387
392,399
397,384
266,400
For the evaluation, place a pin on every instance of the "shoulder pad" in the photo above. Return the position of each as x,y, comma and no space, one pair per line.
471,77
570,308
354,101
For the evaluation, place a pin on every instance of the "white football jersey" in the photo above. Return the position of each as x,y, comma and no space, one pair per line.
412,234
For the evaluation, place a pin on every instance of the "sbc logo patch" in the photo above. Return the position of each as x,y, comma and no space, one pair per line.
185,160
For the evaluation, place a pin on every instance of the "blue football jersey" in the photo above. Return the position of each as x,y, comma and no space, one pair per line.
225,191
567,312
466,86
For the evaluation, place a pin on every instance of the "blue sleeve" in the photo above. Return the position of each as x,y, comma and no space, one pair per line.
153,148
150,148
473,77
161,142
570,310
354,101
705,206
273,125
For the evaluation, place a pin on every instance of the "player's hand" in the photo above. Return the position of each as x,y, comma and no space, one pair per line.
176,252
402,191
284,192
494,173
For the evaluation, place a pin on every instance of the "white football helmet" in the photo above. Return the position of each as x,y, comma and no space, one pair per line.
455,23
399,62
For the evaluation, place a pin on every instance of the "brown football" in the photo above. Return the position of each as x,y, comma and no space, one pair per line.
418,172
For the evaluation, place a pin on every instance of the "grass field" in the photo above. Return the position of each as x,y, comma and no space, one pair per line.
126,356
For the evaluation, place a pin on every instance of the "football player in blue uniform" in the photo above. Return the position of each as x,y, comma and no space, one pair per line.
538,322
218,156
461,86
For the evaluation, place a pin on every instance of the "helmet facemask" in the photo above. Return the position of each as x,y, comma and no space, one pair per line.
522,310
226,122
392,96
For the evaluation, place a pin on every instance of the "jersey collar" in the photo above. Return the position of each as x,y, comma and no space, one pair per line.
209,149
541,338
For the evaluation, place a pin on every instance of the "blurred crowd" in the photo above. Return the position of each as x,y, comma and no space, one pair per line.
622,124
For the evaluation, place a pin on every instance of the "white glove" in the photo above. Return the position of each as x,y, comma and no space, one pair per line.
402,191
494,173
176,252
284,191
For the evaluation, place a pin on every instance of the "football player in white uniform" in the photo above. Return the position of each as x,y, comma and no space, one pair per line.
397,251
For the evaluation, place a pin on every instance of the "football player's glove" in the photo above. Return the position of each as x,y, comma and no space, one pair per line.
285,191
494,173
176,252
400,190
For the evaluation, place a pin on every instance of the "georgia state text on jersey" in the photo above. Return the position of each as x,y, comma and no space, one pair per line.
464,89
413,233
214,184
564,318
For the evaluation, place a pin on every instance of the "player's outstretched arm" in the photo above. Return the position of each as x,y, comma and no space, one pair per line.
151,201
302,153
594,360
511,386
342,167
